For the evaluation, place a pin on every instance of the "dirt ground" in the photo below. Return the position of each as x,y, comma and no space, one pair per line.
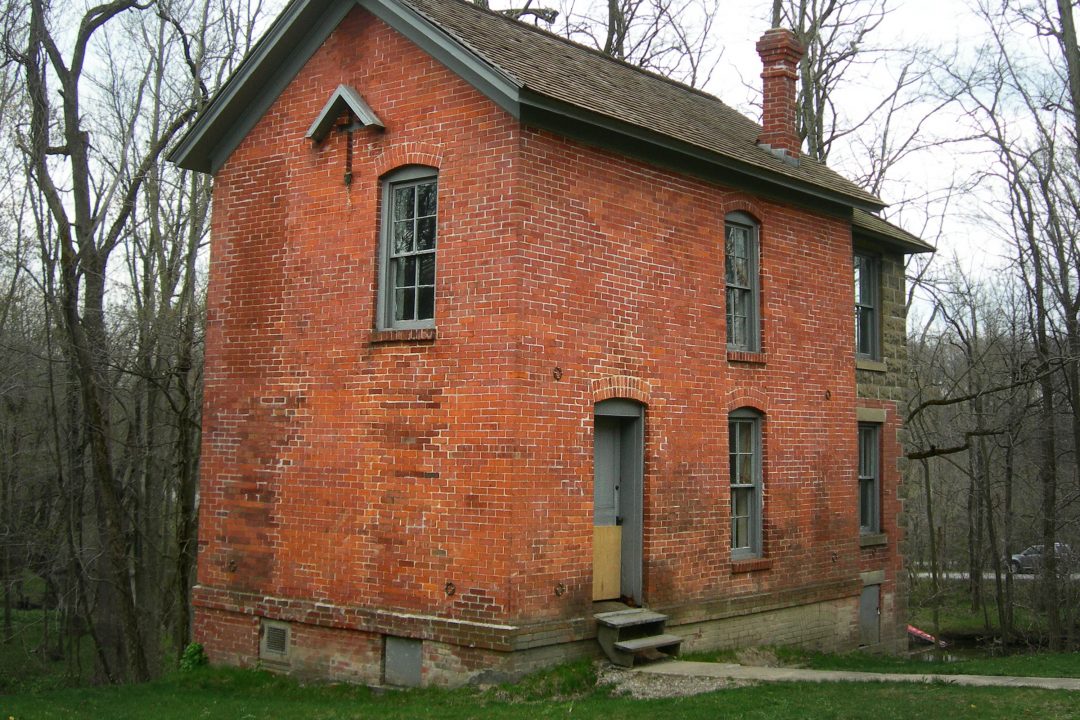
646,685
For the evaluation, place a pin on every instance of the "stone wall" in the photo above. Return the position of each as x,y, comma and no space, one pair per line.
882,387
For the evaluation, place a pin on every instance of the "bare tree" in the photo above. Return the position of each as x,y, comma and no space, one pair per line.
673,38
119,237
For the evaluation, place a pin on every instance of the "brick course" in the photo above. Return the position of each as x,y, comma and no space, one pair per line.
437,484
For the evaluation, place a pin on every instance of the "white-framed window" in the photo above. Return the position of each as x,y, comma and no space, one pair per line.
741,279
409,231
867,307
744,469
869,478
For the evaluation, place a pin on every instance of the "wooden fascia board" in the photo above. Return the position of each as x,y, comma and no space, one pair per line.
261,77
499,87
540,110
865,236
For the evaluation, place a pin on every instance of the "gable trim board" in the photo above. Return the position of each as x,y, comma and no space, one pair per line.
305,25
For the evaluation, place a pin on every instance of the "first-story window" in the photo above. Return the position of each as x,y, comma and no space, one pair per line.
409,230
744,463
869,490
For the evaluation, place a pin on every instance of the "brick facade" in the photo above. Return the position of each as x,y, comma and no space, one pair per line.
437,484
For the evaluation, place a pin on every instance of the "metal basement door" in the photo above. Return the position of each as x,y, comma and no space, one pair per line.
618,466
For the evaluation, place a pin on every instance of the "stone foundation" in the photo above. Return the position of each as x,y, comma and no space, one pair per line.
378,647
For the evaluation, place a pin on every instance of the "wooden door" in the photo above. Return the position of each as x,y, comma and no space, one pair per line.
607,530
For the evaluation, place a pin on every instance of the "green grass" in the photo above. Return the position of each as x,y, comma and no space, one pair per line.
1066,665
956,619
1022,665
569,692
25,663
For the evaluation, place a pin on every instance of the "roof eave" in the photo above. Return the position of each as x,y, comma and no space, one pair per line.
538,101
262,75
909,245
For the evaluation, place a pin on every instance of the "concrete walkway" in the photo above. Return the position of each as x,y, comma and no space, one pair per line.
729,671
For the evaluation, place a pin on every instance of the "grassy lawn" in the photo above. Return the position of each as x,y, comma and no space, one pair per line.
26,663
956,618
1022,665
213,693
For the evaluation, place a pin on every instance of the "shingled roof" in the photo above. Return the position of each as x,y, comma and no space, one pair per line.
555,67
876,228
525,70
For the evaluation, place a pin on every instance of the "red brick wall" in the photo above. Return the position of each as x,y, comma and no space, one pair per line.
344,466
623,275
335,466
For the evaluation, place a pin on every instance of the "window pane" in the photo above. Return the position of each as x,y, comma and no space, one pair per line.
403,237
737,241
403,304
741,502
426,204
740,533
864,330
425,231
425,306
738,272
427,269
746,437
737,331
403,202
866,453
866,504
406,272
858,279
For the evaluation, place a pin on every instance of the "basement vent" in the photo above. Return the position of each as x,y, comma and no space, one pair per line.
275,641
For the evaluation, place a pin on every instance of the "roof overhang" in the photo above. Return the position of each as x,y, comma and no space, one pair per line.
558,116
877,230
305,24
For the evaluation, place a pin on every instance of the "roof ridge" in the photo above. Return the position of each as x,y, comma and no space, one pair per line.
581,46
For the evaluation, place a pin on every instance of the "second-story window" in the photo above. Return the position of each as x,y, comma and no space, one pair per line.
867,307
741,279
409,228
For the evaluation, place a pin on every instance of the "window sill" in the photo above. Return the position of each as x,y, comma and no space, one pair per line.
414,335
871,365
742,356
873,540
751,565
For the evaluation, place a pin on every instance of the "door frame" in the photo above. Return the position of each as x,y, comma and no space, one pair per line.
631,415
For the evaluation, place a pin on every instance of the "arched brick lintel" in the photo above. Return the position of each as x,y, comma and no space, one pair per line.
746,398
409,153
621,386
737,202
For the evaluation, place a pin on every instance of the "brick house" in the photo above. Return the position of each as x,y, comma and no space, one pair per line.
503,333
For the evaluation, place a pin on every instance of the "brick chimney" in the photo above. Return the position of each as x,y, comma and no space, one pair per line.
780,53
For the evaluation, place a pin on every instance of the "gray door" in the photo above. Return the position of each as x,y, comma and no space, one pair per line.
617,492
870,615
